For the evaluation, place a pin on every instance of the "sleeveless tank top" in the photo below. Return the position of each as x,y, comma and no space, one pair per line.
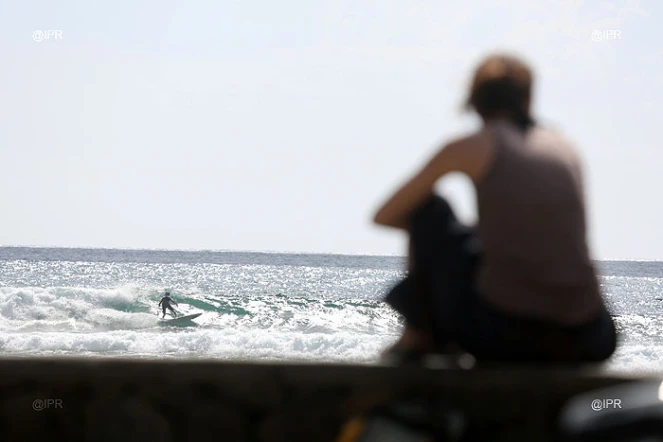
535,259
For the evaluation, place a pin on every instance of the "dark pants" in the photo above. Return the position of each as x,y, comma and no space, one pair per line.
439,296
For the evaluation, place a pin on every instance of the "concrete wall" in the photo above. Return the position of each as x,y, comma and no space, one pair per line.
142,400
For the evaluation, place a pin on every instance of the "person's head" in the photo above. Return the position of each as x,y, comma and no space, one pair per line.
501,88
167,294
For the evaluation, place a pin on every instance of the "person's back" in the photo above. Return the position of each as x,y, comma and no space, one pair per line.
535,260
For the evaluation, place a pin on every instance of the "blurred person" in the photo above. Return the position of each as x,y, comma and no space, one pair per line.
521,285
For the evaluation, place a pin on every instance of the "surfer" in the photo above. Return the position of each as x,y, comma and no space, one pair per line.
165,304
528,291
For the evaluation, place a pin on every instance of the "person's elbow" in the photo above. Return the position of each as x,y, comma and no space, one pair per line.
383,218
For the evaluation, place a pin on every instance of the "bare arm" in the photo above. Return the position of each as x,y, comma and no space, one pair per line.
469,155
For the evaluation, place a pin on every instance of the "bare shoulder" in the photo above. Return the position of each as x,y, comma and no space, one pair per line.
471,153
556,141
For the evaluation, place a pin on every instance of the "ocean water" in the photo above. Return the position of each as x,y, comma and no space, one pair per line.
255,306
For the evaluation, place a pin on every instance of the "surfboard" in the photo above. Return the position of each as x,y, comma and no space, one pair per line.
180,319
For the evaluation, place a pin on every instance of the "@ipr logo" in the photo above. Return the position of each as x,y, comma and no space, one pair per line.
602,404
48,34
42,404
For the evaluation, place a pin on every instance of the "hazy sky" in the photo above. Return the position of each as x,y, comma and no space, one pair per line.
283,125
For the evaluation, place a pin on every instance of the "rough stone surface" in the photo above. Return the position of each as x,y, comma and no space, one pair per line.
162,401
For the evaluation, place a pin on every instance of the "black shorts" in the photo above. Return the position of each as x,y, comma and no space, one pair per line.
439,296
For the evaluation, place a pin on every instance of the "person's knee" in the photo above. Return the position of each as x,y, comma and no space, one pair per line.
433,227
430,220
435,208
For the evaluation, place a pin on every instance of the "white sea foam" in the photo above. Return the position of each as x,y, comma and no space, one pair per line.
88,304
209,343
75,321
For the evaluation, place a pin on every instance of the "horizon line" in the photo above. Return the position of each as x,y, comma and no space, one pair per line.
282,252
